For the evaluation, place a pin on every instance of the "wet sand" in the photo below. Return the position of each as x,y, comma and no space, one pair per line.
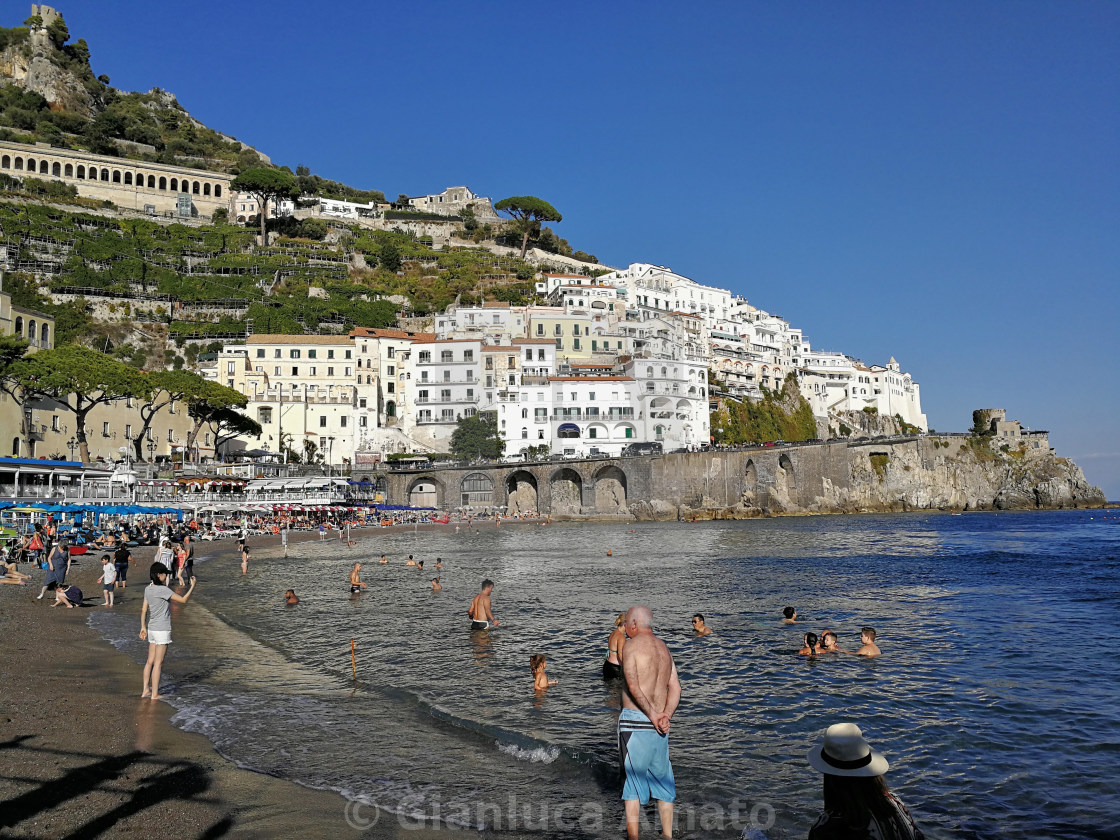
81,755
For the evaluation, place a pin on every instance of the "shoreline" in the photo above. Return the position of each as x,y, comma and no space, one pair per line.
82,755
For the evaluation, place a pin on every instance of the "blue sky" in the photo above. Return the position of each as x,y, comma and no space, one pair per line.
937,182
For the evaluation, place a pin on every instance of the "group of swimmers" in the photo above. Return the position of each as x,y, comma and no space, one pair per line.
826,642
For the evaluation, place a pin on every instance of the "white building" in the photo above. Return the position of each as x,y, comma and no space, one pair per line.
300,389
494,322
246,208
833,382
655,289
386,404
447,383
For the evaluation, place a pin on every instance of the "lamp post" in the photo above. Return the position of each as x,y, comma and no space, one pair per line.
151,451
330,452
72,444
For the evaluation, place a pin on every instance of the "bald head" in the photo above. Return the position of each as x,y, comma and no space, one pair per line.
639,618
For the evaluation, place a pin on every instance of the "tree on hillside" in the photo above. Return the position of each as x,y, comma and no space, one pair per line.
159,390
266,185
527,212
477,437
204,406
78,380
58,33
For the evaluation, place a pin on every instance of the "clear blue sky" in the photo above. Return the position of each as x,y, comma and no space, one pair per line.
938,182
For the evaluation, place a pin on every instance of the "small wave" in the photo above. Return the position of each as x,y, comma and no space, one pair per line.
534,755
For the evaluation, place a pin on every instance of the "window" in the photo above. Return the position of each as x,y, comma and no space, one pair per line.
629,432
575,343
322,421
445,395
592,432
540,355
468,355
540,329
540,414
446,356
591,396
330,371
423,376
425,357
260,352
575,329
489,381
312,371
470,393
128,431
207,442
295,371
362,421
348,352
330,354
276,354
529,355
391,387
393,353
524,414
422,396
524,433
311,354
557,330
342,421
276,370
264,415
391,370
559,344
293,354
362,402
105,429
231,368
170,436
349,371
54,423
511,361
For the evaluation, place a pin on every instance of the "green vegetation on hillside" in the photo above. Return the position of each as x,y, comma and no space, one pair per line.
779,415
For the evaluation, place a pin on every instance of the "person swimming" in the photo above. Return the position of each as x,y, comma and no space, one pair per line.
290,598
436,587
537,664
789,615
810,648
828,642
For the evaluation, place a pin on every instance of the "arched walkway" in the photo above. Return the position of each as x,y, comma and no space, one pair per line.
566,489
521,492
610,490
785,480
477,491
424,492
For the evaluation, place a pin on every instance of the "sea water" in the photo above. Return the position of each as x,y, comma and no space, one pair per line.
996,699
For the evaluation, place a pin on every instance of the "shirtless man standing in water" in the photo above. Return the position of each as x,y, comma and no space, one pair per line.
356,585
481,614
649,701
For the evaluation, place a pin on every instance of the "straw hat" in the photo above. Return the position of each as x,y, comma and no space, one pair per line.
844,752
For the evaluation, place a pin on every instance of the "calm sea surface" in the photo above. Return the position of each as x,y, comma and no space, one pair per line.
997,699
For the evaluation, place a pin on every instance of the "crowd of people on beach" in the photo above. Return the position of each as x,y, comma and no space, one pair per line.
858,803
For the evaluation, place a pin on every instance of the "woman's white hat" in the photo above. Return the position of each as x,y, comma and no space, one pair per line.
844,752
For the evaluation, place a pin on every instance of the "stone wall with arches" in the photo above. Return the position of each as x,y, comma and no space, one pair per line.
127,183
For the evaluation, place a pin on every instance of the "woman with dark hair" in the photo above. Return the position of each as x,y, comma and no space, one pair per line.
612,665
858,805
155,624
810,648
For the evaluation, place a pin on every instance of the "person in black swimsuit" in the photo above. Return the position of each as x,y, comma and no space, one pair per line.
356,585
612,665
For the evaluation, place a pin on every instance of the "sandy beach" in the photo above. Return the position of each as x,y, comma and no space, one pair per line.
81,755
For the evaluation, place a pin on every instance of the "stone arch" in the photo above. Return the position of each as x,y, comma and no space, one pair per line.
217,191
162,182
6,162
128,179
19,325
174,185
44,167
32,331
151,182
56,169
104,173
390,409
15,447
116,176
81,173
610,490
477,490
785,479
566,489
620,430
45,332
68,172
596,432
194,188
521,492
32,166
425,491
206,189
750,474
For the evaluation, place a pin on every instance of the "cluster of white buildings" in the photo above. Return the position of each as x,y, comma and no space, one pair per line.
620,359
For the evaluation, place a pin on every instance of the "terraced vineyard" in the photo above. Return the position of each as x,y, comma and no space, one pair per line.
214,281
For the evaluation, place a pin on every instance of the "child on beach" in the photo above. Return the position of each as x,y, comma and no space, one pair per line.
108,579
71,596
155,624
245,560
537,664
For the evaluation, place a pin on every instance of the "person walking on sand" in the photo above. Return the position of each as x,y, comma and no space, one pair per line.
481,613
356,585
155,624
121,559
650,697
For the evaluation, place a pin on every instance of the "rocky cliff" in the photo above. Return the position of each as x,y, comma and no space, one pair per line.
919,473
